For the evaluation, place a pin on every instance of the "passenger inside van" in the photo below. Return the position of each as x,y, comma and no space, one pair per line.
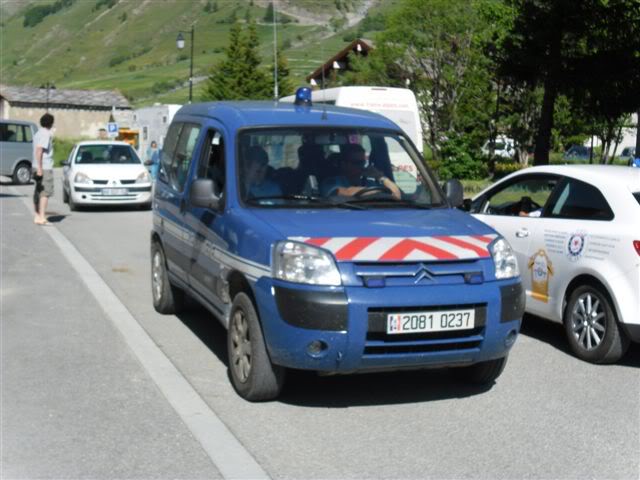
256,183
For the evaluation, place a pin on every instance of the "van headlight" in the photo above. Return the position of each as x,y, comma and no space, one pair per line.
82,178
504,259
302,263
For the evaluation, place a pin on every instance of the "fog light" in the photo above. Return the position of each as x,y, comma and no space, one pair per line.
511,338
317,348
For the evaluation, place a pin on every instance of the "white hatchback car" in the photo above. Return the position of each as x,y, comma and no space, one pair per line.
576,232
105,173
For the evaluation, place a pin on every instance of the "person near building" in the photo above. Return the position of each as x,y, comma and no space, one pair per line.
43,168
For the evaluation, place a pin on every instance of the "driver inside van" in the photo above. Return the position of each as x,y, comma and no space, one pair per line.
355,179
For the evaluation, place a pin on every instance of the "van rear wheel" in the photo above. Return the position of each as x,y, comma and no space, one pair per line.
166,297
253,375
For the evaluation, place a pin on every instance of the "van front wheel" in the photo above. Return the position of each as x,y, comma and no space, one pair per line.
253,375
482,373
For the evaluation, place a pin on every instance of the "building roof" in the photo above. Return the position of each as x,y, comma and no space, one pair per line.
359,45
77,98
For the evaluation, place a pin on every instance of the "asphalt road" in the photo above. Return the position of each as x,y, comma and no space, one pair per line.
548,416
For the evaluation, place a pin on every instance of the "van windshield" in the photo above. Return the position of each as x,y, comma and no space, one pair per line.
332,168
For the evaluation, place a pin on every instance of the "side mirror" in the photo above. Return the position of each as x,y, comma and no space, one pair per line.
148,163
454,191
66,163
202,194
466,205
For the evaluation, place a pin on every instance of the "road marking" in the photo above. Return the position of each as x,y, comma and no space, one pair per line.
225,450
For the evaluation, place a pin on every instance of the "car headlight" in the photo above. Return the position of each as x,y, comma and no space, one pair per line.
301,263
82,178
504,259
144,177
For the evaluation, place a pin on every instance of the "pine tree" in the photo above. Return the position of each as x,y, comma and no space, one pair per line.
268,16
239,76
285,85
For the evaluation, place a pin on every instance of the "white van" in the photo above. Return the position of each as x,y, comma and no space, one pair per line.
397,104
16,149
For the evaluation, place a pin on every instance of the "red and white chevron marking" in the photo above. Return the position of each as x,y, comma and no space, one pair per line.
397,249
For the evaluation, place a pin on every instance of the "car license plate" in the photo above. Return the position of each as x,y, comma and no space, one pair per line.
114,191
435,321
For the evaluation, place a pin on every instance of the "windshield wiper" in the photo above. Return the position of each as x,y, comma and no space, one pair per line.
387,200
309,198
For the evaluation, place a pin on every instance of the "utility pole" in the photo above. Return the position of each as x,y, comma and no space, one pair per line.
275,53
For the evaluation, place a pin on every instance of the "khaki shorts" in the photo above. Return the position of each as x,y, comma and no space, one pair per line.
47,183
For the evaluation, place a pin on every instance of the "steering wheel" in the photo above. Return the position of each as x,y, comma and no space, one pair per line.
369,190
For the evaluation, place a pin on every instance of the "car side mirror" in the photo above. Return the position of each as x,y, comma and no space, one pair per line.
203,195
466,205
148,163
66,163
454,191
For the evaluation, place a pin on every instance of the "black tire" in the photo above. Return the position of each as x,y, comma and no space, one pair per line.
483,373
167,298
22,174
65,195
72,205
252,374
592,328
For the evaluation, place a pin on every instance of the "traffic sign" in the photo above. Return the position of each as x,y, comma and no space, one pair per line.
112,129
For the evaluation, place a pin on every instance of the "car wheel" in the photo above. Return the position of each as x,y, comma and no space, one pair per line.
592,327
65,195
72,205
167,298
482,373
253,375
22,173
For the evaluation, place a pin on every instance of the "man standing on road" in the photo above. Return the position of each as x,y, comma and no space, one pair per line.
43,166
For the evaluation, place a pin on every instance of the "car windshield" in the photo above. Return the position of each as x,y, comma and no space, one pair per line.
106,154
354,168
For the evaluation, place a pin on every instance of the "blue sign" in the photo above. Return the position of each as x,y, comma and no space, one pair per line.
112,128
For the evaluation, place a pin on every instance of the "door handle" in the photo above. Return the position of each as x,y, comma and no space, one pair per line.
522,233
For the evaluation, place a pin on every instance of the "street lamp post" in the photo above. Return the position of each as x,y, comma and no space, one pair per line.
180,45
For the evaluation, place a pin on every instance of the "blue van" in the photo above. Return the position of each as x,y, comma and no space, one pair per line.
306,231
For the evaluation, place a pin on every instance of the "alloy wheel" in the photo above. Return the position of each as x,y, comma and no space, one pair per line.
588,321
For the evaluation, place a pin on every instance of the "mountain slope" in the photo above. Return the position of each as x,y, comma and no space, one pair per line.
130,45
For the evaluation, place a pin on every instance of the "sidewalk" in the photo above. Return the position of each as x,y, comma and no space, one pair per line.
76,403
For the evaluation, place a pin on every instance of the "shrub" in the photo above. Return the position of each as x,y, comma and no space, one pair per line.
502,169
458,163
62,149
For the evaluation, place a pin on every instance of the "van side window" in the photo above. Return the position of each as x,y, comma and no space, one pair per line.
10,132
27,134
178,170
212,161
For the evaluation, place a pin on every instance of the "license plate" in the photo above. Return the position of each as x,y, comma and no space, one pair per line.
435,321
114,191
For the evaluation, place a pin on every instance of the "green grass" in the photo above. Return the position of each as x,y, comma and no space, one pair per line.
86,49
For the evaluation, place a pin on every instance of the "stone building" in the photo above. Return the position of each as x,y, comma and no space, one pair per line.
78,113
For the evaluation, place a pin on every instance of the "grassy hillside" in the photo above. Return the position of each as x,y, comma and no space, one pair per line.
130,45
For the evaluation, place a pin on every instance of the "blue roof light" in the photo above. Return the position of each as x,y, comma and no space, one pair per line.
303,96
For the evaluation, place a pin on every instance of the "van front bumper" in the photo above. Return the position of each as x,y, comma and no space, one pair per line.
343,329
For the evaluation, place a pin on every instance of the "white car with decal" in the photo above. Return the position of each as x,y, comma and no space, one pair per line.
576,233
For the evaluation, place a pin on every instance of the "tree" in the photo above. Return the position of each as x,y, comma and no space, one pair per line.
238,76
285,85
268,15
586,50
431,46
